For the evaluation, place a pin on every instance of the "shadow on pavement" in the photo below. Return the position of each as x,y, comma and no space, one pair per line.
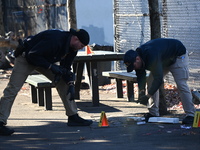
120,134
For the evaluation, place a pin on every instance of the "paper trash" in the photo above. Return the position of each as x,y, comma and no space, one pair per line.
135,118
163,120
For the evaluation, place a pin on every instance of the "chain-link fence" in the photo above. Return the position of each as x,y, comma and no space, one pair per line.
179,19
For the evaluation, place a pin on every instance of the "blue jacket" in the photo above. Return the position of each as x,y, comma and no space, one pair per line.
48,47
157,55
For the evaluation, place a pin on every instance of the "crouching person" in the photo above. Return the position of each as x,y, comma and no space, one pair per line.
161,56
40,53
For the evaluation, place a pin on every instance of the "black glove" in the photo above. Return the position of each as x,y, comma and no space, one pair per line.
71,91
58,70
68,76
143,99
57,78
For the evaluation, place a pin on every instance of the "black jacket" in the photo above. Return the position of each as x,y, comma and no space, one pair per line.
157,54
48,47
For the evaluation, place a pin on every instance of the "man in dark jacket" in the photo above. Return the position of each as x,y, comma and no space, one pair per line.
161,56
40,53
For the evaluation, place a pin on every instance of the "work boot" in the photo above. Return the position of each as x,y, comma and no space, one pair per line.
147,116
188,120
75,120
4,130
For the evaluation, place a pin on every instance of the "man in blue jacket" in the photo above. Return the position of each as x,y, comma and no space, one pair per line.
40,53
161,56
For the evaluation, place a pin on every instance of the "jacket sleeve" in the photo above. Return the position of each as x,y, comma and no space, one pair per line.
68,61
157,73
39,53
47,47
141,79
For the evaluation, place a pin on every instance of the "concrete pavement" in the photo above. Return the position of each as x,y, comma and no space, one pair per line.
36,128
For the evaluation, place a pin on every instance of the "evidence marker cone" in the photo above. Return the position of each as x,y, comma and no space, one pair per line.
88,50
103,120
196,122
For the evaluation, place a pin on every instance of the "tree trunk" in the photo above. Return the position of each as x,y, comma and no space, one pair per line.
47,13
71,9
154,19
2,30
156,33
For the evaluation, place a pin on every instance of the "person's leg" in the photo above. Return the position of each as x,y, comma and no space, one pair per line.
70,105
19,74
61,87
180,73
153,103
162,101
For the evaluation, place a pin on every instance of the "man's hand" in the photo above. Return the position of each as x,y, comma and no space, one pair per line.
71,91
143,99
56,69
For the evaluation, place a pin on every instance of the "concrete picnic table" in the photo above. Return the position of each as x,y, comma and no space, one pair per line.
91,61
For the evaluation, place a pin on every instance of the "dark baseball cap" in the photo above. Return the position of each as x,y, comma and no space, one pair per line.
129,59
82,35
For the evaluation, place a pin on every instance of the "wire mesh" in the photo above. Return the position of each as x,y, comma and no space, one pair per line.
179,20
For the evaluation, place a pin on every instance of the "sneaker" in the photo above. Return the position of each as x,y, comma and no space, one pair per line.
5,131
188,120
75,120
147,116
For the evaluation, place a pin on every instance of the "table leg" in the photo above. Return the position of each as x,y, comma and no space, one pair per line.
48,98
41,96
34,94
88,69
130,91
119,88
79,74
94,83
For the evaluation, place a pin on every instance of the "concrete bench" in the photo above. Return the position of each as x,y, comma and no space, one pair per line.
119,76
41,90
